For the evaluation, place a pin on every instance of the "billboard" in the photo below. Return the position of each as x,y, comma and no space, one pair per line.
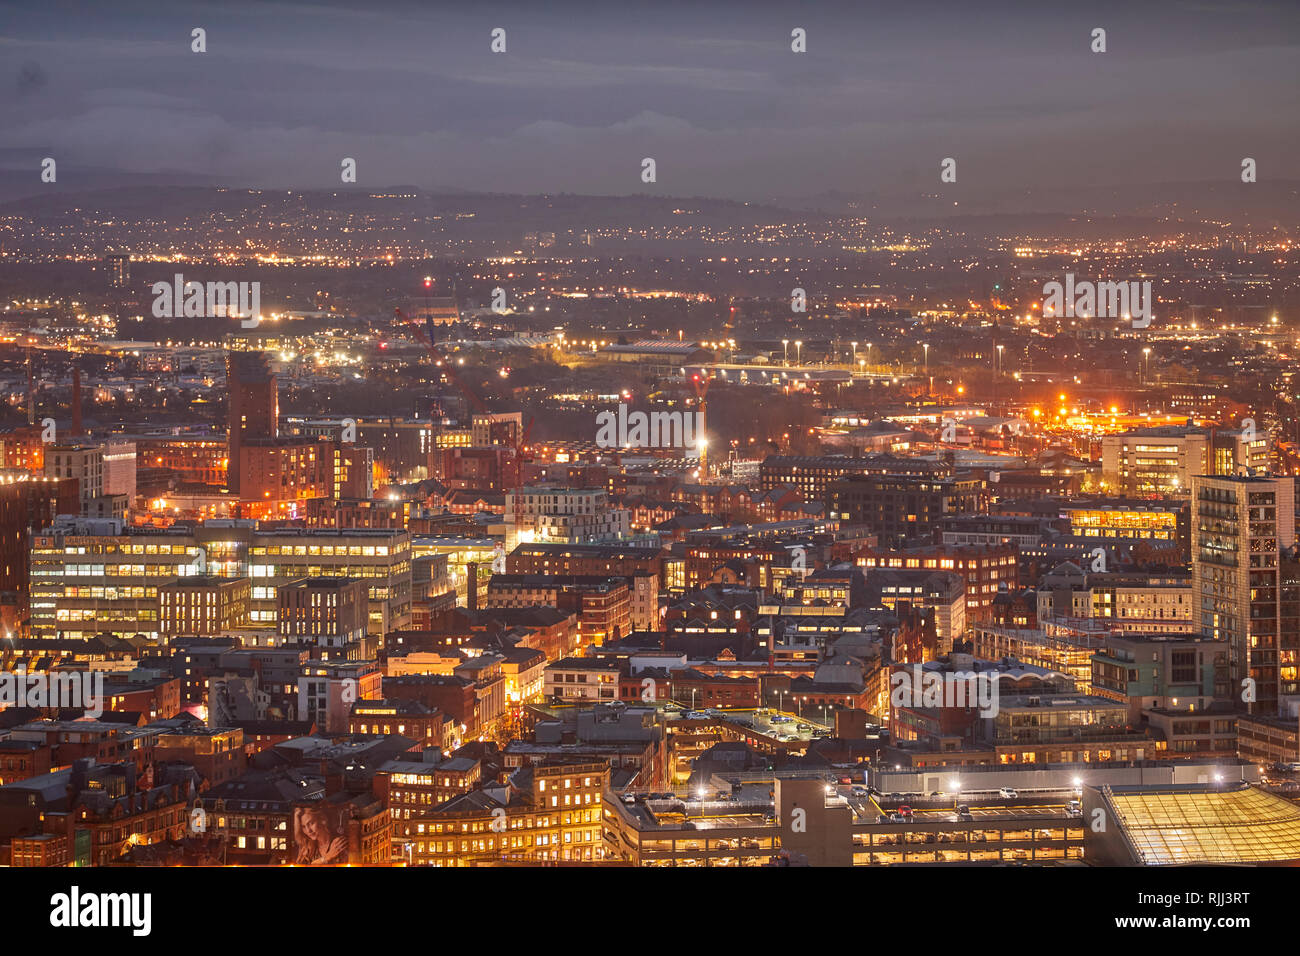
320,834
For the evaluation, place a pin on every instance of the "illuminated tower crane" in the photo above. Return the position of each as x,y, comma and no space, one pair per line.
700,382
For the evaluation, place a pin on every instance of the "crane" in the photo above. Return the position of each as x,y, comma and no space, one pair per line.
700,382
439,359
514,478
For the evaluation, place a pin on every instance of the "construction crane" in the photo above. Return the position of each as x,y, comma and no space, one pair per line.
439,359
700,382
515,476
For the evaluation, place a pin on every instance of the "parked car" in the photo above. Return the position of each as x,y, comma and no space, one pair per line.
905,812
1007,793
1074,808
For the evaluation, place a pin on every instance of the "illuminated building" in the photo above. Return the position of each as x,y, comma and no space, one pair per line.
525,672
101,809
905,508
1116,518
380,558
563,516
119,270
325,612
27,502
202,606
641,566
94,576
407,718
196,461
22,448
253,818
984,568
1065,648
942,591
412,788
328,689
1207,824
550,812
1246,584
603,605
1129,601
582,679
1164,459
813,475
254,408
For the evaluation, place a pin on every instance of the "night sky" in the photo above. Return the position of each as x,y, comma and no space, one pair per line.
712,91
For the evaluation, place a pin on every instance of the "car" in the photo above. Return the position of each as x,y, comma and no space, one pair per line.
629,798
1074,809
782,719
935,793
965,816
805,727
1007,793
898,818
905,812
859,791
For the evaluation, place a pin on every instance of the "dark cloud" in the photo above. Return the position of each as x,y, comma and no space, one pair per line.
710,89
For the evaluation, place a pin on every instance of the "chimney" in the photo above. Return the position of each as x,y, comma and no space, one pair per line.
31,390
76,402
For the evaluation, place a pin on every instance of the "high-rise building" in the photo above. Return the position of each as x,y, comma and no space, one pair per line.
26,502
1164,459
118,266
1240,527
254,407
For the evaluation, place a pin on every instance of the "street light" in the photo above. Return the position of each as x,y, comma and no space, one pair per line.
785,346
855,352
926,348
1146,354
798,352
868,353
1000,348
